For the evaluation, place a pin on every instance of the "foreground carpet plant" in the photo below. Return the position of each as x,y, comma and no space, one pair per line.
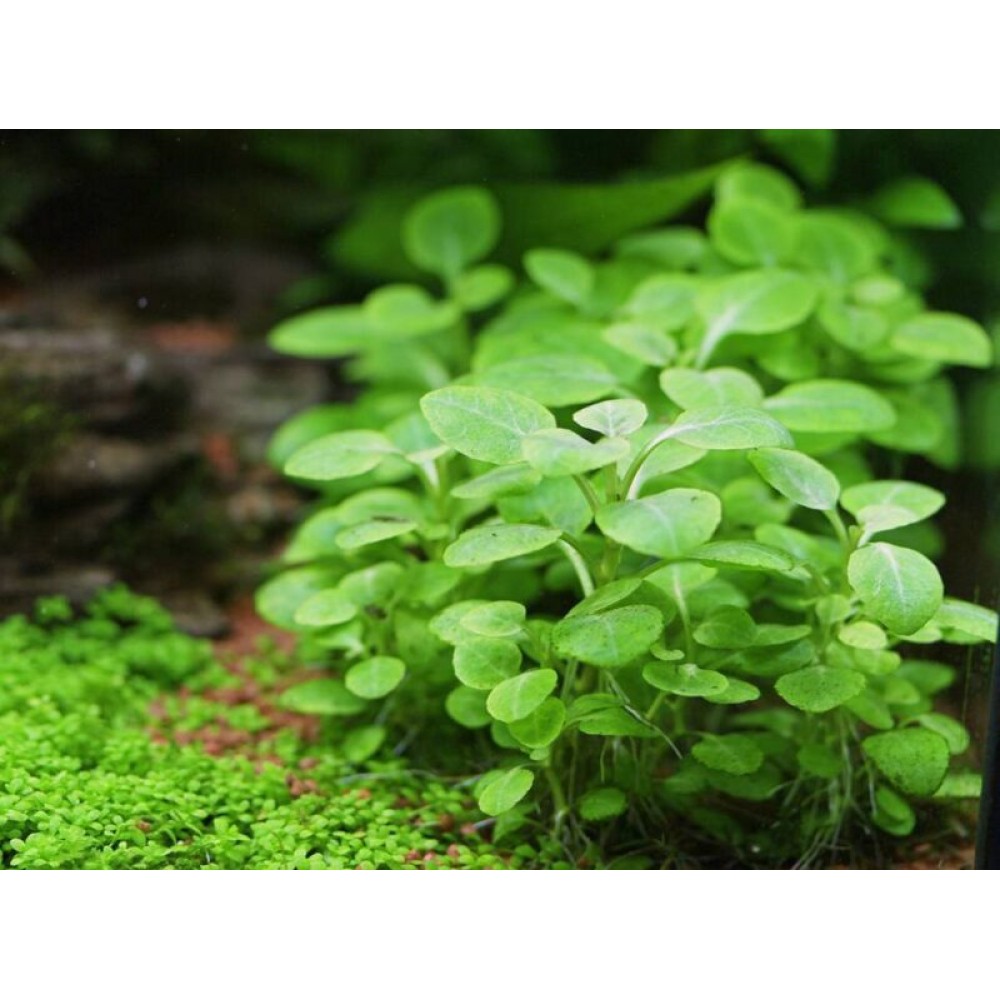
640,520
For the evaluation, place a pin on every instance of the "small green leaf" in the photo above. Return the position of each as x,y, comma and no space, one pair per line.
505,791
669,524
965,785
517,697
693,390
482,287
468,708
556,502
863,635
375,677
898,587
736,692
552,379
915,202
641,341
615,721
564,274
893,813
819,760
810,152
798,477
729,428
726,628
446,231
757,182
362,743
600,804
517,478
685,679
497,619
831,406
819,689
945,338
613,417
339,456
884,505
746,555
371,532
611,638
542,726
492,543
950,730
560,452
732,753
755,302
321,697
328,607
664,301
751,232
835,247
332,332
967,619
482,663
407,311
483,423
914,760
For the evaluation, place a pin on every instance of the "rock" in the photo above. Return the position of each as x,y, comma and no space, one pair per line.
195,613
94,465
21,585
97,375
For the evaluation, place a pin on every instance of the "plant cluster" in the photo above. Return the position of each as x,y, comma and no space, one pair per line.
641,519
82,785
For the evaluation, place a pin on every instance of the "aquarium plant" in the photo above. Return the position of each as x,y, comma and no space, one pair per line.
643,519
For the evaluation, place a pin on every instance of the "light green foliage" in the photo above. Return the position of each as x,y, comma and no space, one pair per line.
646,533
82,785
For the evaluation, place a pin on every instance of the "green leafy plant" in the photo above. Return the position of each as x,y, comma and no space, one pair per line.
641,519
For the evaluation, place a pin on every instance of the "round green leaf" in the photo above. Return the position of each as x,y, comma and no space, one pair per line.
560,452
831,406
798,477
757,182
664,301
482,286
950,730
407,311
685,679
363,742
505,791
517,697
339,456
692,390
732,753
914,760
669,524
745,554
611,638
613,417
542,727
321,697
375,677
835,247
751,232
601,804
552,379
641,341
497,619
499,482
567,275
915,202
371,532
328,607
483,423
482,663
492,543
755,302
332,332
736,692
729,428
966,619
886,504
468,708
819,689
446,231
946,338
899,587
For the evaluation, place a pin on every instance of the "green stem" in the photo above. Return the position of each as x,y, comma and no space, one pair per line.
590,494
579,564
